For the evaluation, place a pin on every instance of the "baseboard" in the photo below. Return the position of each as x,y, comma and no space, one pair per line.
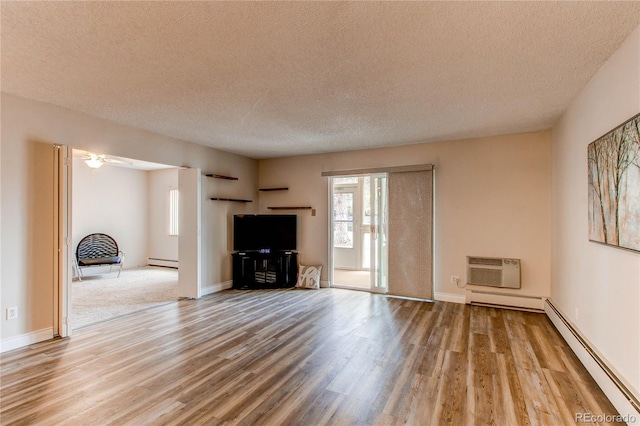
614,387
214,288
450,297
162,262
26,339
504,299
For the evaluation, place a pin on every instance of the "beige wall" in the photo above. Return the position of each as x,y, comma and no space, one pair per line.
161,244
492,198
27,233
217,218
111,200
595,286
29,129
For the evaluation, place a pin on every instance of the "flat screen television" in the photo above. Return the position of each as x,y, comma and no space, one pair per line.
265,232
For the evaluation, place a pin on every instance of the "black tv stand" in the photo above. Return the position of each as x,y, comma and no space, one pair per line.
264,269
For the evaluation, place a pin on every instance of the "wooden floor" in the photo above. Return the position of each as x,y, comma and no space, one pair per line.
303,357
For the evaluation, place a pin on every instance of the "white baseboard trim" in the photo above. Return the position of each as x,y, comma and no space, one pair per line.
450,297
162,262
26,339
214,288
614,387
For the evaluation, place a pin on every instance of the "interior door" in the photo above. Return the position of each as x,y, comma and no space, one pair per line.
189,233
62,234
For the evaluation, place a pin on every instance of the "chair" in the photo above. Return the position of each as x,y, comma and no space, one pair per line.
97,250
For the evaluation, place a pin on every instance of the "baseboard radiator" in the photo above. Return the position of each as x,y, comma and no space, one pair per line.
618,392
152,261
498,299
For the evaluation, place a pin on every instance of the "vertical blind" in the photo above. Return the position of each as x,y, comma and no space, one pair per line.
411,234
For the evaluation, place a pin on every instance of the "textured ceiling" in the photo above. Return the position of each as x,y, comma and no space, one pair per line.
268,79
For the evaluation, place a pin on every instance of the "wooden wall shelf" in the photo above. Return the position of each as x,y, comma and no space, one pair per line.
237,200
290,208
274,189
215,176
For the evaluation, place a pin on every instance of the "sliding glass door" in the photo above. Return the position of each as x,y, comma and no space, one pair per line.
359,237
378,232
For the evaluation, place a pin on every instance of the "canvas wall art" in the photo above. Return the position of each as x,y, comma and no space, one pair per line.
614,186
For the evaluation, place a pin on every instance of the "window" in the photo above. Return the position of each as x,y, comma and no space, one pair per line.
173,212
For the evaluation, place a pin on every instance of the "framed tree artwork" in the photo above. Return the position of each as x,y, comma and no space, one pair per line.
614,187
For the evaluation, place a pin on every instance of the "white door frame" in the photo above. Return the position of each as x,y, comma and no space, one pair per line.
378,231
357,232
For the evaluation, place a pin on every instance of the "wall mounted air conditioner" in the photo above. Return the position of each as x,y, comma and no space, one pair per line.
493,271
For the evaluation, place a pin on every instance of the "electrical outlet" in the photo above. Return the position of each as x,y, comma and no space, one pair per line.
455,279
12,313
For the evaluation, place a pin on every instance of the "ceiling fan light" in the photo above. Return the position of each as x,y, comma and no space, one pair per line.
94,162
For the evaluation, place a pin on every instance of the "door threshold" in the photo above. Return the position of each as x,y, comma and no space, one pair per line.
418,299
346,287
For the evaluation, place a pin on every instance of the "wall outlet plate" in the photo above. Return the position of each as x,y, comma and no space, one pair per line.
12,313
455,279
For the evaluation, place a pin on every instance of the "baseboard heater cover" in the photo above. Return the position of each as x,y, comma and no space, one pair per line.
505,300
625,399
162,262
515,308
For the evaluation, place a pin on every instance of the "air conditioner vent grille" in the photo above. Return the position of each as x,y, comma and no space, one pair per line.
493,271
485,261
483,276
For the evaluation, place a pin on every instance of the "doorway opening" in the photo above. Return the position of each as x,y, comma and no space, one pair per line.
135,203
359,245
67,232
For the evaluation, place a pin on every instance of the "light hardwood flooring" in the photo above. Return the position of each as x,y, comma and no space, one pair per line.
303,357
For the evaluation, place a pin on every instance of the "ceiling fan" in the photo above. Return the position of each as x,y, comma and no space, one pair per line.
95,161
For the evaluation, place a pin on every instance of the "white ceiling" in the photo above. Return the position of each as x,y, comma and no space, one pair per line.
269,79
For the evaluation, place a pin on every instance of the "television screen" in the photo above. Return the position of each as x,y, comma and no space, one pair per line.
264,232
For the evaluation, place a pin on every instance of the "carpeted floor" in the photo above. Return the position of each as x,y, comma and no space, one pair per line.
101,297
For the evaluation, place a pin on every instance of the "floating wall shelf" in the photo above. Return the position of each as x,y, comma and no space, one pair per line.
274,189
290,208
237,200
215,176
